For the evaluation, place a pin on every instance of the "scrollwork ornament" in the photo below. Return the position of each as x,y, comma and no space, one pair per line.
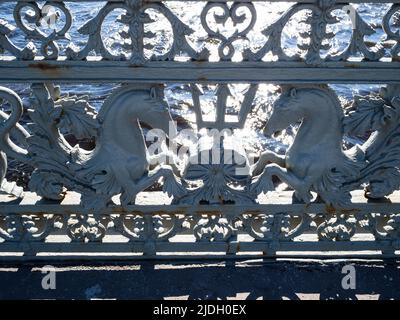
357,44
25,228
49,47
337,227
319,18
142,228
382,226
179,42
213,228
11,131
274,227
92,28
274,37
392,35
135,18
85,228
226,49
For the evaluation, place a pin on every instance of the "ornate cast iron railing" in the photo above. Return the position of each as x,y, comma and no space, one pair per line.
126,196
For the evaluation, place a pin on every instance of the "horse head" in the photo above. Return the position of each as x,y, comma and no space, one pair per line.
286,110
130,104
155,112
317,103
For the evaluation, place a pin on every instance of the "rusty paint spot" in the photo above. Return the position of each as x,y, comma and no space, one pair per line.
353,65
47,68
330,209
202,79
349,211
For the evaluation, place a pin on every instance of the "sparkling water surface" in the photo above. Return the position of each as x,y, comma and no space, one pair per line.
178,95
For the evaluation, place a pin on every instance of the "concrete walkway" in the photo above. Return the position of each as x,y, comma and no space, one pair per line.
256,279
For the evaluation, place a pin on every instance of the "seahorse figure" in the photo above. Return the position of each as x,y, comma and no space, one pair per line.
316,160
120,163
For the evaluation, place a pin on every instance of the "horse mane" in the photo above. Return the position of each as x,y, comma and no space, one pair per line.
322,90
150,94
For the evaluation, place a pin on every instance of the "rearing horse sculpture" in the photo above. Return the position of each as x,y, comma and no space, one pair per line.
316,160
120,162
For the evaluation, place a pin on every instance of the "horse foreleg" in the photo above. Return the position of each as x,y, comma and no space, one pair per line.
266,158
301,186
165,159
166,172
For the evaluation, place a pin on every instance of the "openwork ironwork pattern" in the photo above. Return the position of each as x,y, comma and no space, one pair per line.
213,15
216,196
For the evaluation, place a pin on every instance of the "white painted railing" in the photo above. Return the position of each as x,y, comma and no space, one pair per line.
122,198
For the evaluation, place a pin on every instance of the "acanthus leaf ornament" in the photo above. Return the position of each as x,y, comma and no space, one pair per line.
380,114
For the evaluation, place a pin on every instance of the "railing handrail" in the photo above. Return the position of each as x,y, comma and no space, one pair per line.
205,72
149,1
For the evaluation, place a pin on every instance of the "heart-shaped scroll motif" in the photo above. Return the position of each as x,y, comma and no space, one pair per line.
246,20
40,23
391,25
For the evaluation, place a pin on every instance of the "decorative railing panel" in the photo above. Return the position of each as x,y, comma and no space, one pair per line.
124,178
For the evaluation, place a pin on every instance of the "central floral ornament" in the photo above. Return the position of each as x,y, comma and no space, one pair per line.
219,163
222,182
